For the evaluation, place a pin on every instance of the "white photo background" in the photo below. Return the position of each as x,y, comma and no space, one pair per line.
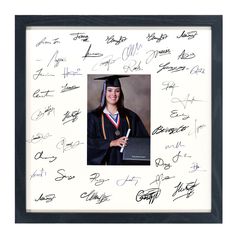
58,60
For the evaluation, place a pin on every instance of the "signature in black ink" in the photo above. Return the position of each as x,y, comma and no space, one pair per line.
132,66
152,36
131,50
195,167
93,195
42,94
39,155
81,36
169,85
188,35
184,189
149,195
186,101
111,39
184,55
133,179
40,113
94,178
176,157
66,88
68,72
38,137
89,54
67,146
196,69
175,146
160,162
160,178
44,41
152,54
171,69
40,74
62,176
38,173
71,116
106,62
161,129
47,198
56,60
174,114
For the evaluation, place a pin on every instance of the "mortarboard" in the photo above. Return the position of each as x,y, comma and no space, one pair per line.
110,81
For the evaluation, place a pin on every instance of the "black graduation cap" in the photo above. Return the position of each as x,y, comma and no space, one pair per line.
110,81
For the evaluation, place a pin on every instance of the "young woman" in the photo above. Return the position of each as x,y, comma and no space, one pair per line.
109,123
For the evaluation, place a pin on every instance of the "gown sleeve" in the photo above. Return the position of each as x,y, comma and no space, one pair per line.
138,129
98,147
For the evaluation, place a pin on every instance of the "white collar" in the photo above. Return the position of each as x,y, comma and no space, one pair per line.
107,112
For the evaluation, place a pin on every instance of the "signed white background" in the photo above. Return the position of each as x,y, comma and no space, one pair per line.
9,9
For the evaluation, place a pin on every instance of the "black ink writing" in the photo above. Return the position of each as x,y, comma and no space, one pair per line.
169,85
62,175
188,35
95,178
81,36
39,155
56,60
158,39
91,54
132,66
185,55
42,94
149,195
160,162
175,114
184,189
39,74
44,41
71,116
171,69
161,129
93,195
66,88
111,39
176,157
47,198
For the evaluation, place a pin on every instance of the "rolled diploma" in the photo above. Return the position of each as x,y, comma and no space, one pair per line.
127,135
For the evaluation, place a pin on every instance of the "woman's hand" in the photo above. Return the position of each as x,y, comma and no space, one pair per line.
120,142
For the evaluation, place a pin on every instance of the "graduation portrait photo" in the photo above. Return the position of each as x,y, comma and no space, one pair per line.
118,119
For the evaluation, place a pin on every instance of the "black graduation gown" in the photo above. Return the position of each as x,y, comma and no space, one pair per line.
99,151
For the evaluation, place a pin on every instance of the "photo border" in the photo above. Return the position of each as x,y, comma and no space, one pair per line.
23,21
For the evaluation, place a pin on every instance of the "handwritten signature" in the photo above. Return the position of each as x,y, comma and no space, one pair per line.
184,190
148,195
93,195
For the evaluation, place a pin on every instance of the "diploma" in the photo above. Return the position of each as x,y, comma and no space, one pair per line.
127,135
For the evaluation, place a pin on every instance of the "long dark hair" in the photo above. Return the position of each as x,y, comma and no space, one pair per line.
120,104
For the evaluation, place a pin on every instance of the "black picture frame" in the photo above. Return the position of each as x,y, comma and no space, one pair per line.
23,21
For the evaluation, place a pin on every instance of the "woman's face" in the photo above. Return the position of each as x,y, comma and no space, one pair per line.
112,95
